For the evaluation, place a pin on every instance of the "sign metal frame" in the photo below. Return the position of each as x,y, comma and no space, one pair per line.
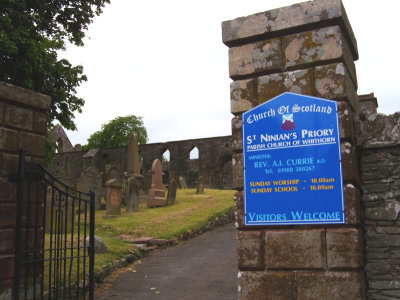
292,162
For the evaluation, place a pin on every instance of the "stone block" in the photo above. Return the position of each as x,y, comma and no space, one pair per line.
7,237
19,95
344,248
389,211
33,144
9,164
250,247
156,201
330,285
255,58
243,95
239,210
317,47
237,171
346,122
39,122
349,163
237,134
272,85
7,268
18,117
289,19
8,191
5,289
333,82
1,112
293,249
8,215
8,139
352,206
267,285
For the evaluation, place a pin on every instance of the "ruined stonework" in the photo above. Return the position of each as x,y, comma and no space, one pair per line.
307,48
58,136
214,162
22,127
380,186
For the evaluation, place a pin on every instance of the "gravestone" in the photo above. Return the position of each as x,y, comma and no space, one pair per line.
157,192
182,183
200,185
206,174
113,204
132,194
134,180
133,155
90,180
171,196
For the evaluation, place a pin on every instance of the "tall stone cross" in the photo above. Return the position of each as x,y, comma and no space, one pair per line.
133,155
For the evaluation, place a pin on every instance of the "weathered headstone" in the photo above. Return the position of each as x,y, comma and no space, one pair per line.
113,204
132,194
171,196
206,174
157,191
90,180
134,180
200,185
182,183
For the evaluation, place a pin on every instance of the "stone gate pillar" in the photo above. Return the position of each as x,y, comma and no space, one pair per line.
306,48
23,117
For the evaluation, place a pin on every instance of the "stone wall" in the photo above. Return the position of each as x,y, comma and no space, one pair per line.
307,48
214,162
22,127
380,185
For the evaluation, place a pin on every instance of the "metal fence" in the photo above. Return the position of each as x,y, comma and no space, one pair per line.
54,242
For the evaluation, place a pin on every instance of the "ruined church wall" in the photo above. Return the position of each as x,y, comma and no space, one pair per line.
214,159
380,187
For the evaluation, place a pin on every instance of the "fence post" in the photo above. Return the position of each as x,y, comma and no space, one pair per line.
91,245
18,224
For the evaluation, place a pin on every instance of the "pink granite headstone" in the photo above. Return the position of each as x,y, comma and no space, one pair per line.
157,191
113,204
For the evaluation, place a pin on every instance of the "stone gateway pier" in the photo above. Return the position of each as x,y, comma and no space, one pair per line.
308,49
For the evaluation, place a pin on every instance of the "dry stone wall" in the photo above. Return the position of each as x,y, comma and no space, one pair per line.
380,185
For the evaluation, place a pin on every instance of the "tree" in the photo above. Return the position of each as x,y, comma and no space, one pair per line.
31,33
116,133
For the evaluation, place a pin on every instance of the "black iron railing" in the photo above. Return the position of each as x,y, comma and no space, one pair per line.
54,241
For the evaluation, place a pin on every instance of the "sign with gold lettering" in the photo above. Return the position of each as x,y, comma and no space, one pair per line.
292,162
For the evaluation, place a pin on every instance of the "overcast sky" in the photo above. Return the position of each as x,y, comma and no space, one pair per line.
165,61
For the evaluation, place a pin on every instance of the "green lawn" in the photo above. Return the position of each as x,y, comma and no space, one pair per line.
190,212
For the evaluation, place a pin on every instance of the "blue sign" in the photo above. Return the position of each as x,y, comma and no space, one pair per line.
292,162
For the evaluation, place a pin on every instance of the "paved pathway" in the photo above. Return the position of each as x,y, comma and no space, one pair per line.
203,268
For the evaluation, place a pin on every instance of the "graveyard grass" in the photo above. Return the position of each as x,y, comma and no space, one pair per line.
190,212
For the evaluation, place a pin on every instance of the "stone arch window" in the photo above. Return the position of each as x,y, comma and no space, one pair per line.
194,153
166,155
104,160
59,145
141,161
